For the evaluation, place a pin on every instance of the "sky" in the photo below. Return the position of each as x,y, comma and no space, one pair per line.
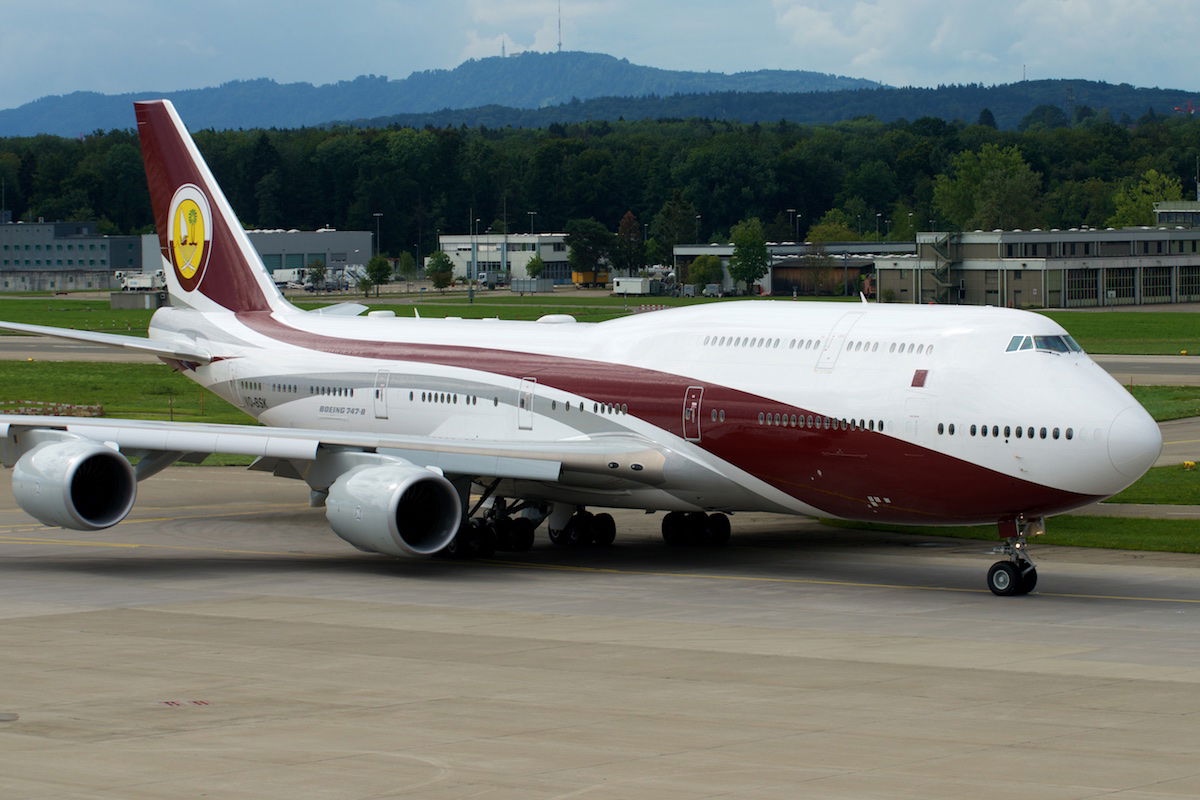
115,46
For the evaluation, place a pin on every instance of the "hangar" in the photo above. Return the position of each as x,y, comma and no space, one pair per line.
1073,268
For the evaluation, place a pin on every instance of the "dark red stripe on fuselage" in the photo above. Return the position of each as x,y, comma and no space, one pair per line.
835,470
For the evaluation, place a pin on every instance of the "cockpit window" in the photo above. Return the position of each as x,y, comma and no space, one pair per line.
1054,344
1048,344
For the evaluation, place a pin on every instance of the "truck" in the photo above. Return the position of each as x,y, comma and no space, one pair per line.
590,278
140,281
636,286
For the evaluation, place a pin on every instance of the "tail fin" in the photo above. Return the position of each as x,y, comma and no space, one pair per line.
209,262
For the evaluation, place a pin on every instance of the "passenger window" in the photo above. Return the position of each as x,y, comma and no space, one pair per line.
1054,433
973,430
996,431
941,429
721,415
1018,431
1029,432
1007,431
1042,433
1070,433
951,428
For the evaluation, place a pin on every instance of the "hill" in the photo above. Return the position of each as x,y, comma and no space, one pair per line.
1009,104
522,81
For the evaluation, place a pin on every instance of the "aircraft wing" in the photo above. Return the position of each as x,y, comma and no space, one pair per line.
622,457
138,343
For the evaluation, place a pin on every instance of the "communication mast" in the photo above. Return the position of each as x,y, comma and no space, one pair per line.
560,26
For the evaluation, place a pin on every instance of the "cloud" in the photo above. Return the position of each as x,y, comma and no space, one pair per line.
923,42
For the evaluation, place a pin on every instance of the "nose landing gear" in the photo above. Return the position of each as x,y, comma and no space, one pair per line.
1018,574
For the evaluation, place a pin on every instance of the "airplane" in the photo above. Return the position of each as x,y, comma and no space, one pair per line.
908,414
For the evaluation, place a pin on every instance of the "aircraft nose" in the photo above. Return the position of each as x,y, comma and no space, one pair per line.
1134,442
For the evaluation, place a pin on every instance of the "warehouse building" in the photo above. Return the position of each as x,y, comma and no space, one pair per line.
63,256
1048,269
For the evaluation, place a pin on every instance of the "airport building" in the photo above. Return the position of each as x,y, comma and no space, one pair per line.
63,256
1051,269
68,256
805,268
507,253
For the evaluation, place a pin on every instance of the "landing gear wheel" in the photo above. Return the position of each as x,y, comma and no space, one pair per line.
482,539
557,538
674,528
604,529
579,529
717,529
1028,580
520,534
1004,579
503,526
697,527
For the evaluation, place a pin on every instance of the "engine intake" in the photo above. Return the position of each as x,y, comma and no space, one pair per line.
74,483
394,508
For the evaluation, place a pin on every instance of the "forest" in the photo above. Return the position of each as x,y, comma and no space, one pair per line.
683,180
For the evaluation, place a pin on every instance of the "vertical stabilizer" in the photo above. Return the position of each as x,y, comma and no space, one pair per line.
208,259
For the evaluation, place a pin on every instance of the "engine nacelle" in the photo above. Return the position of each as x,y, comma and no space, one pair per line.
74,483
397,509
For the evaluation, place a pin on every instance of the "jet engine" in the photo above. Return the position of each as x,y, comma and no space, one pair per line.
394,508
74,483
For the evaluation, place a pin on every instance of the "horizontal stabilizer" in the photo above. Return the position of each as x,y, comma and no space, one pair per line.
148,346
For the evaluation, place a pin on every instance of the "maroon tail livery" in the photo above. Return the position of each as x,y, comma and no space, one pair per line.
212,264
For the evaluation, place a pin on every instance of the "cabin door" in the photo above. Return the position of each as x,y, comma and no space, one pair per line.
835,340
525,404
381,393
691,413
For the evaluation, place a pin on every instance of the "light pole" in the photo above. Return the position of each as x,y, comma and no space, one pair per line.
697,229
531,214
799,214
378,244
792,221
878,216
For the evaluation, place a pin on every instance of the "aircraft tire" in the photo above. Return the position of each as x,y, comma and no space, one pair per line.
718,529
520,534
697,528
579,529
1004,579
674,527
604,529
1028,581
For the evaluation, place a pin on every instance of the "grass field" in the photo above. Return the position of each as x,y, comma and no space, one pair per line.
1168,402
1164,485
1132,332
88,315
136,391
1161,535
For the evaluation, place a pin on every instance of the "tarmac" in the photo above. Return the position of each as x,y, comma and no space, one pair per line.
222,642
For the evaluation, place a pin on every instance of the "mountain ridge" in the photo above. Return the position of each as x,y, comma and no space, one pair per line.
522,81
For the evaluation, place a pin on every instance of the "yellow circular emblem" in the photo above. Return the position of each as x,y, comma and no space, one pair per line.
188,235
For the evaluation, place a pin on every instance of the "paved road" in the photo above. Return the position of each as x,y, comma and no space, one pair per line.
224,643
1152,370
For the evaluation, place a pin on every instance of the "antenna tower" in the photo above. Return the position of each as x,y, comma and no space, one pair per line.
560,26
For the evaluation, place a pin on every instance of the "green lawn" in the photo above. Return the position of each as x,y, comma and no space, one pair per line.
136,391
1171,485
1132,332
1168,402
90,315
1163,535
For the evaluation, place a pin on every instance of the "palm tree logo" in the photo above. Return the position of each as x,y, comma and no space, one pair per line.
189,238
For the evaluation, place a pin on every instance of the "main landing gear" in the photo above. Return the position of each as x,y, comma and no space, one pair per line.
695,528
569,528
498,528
1018,574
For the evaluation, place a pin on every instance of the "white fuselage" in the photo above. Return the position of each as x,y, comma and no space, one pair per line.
838,409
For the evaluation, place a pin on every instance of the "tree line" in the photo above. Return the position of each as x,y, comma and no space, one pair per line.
654,183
